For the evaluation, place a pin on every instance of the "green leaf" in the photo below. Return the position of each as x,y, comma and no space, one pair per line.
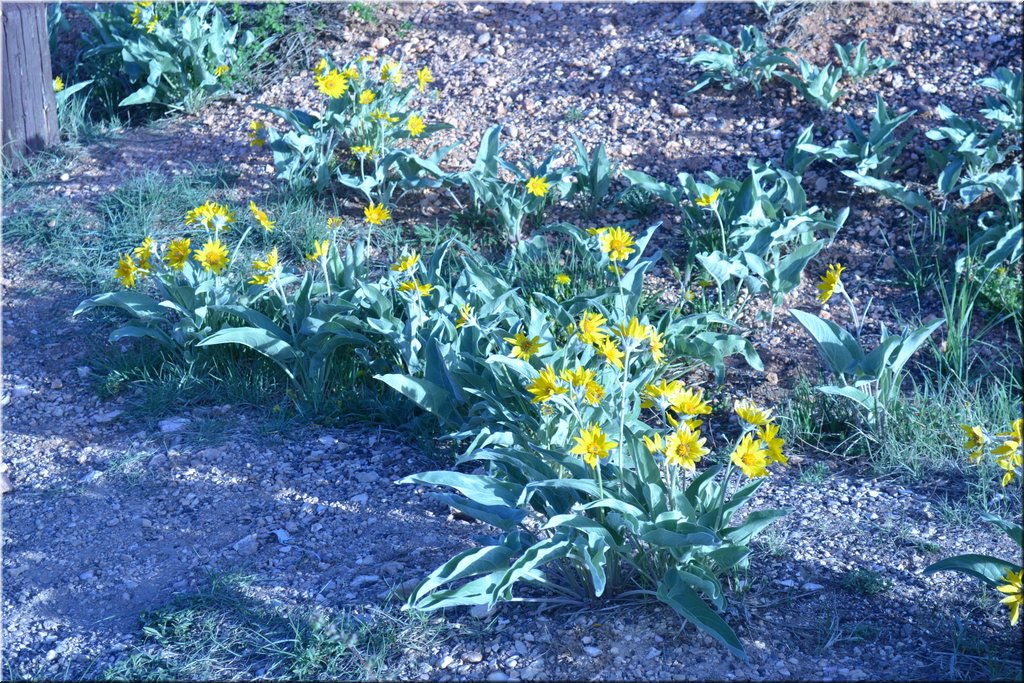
754,524
989,569
481,489
674,592
839,347
259,340
425,394
139,305
1009,528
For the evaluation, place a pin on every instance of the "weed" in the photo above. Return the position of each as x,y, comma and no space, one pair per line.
864,581
638,202
774,541
573,114
223,633
364,11
818,473
817,420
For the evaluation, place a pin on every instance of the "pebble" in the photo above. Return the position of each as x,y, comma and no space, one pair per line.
381,43
677,110
367,477
364,580
246,545
592,650
173,424
497,676
473,657
105,418
51,655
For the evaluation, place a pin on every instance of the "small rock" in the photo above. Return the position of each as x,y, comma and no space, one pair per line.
482,612
497,676
157,461
929,88
90,477
447,661
677,110
57,384
84,371
89,575
21,391
812,586
367,477
173,424
51,655
364,580
360,498
483,39
474,657
381,43
282,535
246,545
821,184
592,650
327,440
105,418
64,177
5,484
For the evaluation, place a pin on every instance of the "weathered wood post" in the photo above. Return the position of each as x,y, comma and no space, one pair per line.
29,114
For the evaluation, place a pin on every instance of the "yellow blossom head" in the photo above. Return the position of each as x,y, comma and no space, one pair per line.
261,217
320,249
424,76
592,444
617,243
830,282
537,186
415,126
406,263
178,252
706,200
750,457
376,215
213,256
523,346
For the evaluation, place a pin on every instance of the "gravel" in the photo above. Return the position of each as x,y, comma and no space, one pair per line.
106,514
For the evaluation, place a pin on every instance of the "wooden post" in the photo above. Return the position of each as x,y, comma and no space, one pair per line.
29,114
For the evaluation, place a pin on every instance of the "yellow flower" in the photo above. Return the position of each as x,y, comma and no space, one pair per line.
362,150
706,200
367,97
1014,594
750,413
654,445
689,402
546,386
221,70
152,23
213,257
407,263
178,252
617,243
257,133
750,457
265,268
597,232
659,394
332,83
334,222
1010,451
143,253
1011,462
424,76
582,378
321,68
212,216
261,217
1016,431
376,215
320,249
126,271
632,331
537,186
830,282
612,354
523,346
58,84
561,280
389,71
383,116
414,285
684,447
592,330
415,126
657,345
465,315
769,435
592,444
351,73
975,442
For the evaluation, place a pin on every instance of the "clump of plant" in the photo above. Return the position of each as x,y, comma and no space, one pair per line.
1003,575
751,236
359,138
170,55
533,187
856,63
870,379
594,459
749,64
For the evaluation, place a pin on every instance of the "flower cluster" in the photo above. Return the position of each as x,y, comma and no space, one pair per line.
406,270
1007,453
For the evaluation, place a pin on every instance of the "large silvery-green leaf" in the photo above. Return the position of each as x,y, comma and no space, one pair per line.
677,594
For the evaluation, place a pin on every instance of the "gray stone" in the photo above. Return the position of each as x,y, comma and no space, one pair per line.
592,650
105,418
246,545
173,424
473,657
367,477
364,580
